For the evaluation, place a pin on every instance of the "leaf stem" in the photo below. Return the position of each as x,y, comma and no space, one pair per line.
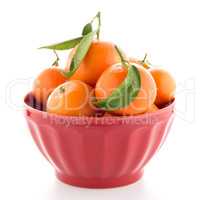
145,62
123,60
99,24
145,57
98,17
55,63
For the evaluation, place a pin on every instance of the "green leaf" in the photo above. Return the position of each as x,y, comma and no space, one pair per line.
125,93
87,29
80,53
64,45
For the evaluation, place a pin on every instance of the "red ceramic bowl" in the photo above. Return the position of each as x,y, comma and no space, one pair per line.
98,152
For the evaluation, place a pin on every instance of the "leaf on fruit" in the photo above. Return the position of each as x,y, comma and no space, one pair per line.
80,53
64,45
125,93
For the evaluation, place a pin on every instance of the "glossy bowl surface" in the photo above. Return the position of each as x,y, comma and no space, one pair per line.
98,152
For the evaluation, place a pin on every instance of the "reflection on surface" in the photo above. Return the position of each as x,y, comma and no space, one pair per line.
137,191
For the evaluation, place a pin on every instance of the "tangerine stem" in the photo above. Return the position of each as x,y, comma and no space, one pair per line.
145,62
99,24
123,60
55,63
98,17
145,57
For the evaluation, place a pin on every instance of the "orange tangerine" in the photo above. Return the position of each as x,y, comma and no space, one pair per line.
73,98
113,77
46,82
99,57
165,86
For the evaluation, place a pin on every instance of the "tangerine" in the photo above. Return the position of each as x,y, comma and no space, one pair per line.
46,82
72,98
114,76
99,57
165,84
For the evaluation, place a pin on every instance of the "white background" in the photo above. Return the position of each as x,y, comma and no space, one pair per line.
167,30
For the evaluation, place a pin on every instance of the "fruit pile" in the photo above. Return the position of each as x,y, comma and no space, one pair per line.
100,78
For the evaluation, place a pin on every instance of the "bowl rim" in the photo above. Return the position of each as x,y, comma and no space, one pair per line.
168,108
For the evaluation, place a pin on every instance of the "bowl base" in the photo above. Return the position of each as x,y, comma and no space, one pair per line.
100,183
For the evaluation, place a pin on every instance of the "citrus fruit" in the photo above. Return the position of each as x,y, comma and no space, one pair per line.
165,84
46,82
99,57
113,77
72,98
